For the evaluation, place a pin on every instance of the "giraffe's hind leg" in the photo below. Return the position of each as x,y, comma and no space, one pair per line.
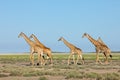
78,57
74,58
106,61
97,58
104,57
82,59
69,58
32,58
50,57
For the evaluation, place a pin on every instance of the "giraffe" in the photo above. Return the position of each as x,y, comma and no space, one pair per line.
34,48
46,50
100,47
73,50
100,40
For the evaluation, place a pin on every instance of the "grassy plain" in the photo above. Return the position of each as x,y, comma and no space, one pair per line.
17,67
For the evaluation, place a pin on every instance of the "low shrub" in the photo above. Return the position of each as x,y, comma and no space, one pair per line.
43,78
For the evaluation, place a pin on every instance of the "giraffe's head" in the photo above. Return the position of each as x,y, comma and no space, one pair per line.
20,34
31,36
60,39
85,35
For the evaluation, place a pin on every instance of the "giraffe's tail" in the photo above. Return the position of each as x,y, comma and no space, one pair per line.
43,57
83,58
110,56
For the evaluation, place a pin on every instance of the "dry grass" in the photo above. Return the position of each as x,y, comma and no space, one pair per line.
19,66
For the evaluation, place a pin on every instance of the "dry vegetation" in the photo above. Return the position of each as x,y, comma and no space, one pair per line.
17,67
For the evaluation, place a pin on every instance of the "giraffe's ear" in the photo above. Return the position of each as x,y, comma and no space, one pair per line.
30,36
21,33
60,39
85,33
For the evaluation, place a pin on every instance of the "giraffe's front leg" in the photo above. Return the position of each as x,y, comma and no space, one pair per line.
32,58
98,60
78,57
42,59
106,61
97,57
82,59
39,58
69,59
74,58
50,57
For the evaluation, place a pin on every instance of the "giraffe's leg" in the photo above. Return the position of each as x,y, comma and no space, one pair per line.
39,58
82,59
42,60
73,58
97,57
47,58
69,59
78,57
106,61
104,55
32,58
51,61
110,57
50,57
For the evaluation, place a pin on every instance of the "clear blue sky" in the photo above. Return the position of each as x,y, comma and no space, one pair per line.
51,19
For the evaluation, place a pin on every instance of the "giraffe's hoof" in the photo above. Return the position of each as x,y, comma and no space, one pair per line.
72,63
30,63
51,64
68,64
37,64
106,62
100,62
78,63
96,63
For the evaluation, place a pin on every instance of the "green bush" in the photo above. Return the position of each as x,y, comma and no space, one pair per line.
15,73
91,75
3,75
43,78
74,74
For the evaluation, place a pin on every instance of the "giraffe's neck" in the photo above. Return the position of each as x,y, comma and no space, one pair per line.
93,41
67,44
100,40
37,41
27,40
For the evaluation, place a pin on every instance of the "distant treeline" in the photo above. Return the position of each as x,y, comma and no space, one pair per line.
115,51
86,52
